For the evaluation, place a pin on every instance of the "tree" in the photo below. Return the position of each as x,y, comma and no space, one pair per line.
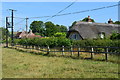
51,29
116,22
46,29
61,28
37,27
73,24
3,32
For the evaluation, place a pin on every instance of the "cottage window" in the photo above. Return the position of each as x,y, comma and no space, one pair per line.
102,35
75,36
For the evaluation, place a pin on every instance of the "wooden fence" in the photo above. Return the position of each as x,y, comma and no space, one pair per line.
72,49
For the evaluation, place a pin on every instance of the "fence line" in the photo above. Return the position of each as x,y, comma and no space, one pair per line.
90,49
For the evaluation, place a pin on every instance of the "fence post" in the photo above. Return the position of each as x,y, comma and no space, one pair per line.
38,47
26,46
54,50
79,52
106,56
71,50
92,50
29,46
63,50
34,47
48,50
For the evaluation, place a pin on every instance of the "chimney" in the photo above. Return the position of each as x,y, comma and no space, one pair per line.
30,31
110,21
89,19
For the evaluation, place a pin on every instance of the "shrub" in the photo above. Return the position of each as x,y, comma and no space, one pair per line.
115,36
52,42
60,34
99,43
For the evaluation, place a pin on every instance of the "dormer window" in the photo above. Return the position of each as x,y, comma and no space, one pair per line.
102,35
75,36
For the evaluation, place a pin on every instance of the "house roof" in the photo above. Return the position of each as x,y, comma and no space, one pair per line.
24,34
32,35
21,34
91,30
18,34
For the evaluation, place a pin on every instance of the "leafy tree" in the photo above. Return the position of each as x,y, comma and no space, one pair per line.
3,33
37,27
73,24
63,28
46,29
116,22
51,29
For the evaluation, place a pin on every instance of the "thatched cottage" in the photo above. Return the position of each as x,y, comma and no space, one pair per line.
89,30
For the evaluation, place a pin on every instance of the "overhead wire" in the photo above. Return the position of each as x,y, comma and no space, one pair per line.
66,13
19,22
71,12
61,10
88,10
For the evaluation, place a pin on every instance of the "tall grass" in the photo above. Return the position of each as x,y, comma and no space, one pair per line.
17,64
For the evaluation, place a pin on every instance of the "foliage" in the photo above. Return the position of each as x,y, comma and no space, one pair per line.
73,24
46,29
52,41
99,43
61,28
60,34
116,22
115,36
51,29
37,27
3,33
62,41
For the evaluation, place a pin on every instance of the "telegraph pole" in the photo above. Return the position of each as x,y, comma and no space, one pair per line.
26,24
6,31
12,44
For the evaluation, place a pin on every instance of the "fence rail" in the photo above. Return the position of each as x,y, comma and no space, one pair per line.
88,49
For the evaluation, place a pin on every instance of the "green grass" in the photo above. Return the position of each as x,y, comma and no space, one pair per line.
17,64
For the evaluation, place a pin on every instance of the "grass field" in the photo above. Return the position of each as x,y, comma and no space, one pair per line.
17,64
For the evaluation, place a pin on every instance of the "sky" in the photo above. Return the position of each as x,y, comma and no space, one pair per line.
39,9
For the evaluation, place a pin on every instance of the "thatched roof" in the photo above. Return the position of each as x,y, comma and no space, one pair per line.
91,30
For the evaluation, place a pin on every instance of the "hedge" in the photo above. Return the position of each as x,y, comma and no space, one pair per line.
52,42
111,43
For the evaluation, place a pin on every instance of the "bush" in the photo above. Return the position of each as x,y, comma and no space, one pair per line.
115,36
59,42
99,43
52,42
60,34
